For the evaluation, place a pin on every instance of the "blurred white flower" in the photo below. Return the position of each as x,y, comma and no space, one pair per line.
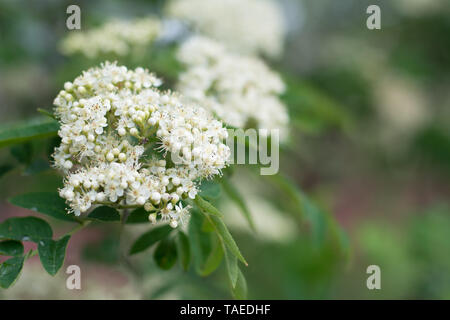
250,26
117,37
420,7
240,90
110,116
401,103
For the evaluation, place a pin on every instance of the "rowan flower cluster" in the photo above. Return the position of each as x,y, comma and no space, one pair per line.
126,144
117,37
250,26
239,90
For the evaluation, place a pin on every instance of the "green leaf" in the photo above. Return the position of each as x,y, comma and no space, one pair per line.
11,248
37,166
344,242
166,254
225,236
46,113
240,290
10,271
210,189
200,241
48,203
52,253
138,215
25,131
214,259
149,238
306,209
105,213
239,200
206,206
207,226
316,218
23,152
184,250
25,229
232,267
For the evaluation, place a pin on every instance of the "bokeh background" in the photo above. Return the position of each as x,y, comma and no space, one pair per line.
370,142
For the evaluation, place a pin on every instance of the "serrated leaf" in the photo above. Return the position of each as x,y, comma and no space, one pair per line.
10,271
52,253
149,238
240,290
232,267
184,250
214,259
138,215
166,254
48,203
25,229
236,197
200,242
11,248
28,130
206,207
105,213
225,235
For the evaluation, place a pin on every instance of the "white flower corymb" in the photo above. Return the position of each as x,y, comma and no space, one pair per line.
117,132
116,36
239,90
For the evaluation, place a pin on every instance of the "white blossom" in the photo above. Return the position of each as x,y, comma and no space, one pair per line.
247,26
119,37
238,89
114,130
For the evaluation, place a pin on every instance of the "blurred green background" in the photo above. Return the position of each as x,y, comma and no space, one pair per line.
370,142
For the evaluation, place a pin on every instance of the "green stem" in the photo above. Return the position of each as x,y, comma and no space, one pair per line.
120,206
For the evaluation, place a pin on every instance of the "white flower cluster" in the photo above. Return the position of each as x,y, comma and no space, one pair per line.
115,124
247,26
117,37
238,90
